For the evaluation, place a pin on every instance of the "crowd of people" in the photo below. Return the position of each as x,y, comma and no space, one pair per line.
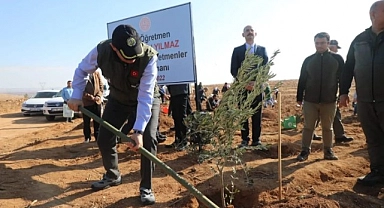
130,67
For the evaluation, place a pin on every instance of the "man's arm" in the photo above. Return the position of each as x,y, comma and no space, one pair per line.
101,85
265,57
87,66
302,82
88,96
340,60
63,94
234,63
161,90
347,73
145,96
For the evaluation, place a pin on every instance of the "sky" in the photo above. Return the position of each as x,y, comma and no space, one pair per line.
43,41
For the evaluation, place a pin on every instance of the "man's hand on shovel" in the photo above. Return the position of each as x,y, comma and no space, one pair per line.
138,139
74,104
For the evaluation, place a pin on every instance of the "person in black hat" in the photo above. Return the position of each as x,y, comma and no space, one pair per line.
338,128
334,46
130,66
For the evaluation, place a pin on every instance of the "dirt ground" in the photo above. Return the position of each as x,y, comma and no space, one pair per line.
46,164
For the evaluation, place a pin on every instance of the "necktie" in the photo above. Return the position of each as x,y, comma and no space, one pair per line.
251,50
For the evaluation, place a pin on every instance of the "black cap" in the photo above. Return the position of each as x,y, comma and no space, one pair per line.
334,42
126,39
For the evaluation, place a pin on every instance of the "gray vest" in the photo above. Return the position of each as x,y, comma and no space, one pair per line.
124,79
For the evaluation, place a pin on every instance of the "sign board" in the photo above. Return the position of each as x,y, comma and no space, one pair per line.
168,31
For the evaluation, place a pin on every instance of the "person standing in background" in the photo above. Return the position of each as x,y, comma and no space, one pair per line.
238,56
179,95
66,94
317,86
92,101
338,128
365,63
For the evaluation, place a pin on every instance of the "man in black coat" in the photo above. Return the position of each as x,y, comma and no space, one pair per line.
238,57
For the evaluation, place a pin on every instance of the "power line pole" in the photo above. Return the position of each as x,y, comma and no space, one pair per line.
42,85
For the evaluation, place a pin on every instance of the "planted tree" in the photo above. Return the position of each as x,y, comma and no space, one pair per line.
216,131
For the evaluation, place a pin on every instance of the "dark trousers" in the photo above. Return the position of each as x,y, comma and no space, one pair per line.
179,113
95,109
256,123
189,107
162,98
371,116
116,114
198,103
170,107
338,128
131,121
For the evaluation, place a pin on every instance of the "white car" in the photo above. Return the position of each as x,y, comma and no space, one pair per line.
54,107
35,104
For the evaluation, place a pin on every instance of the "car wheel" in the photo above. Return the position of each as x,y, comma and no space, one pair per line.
50,118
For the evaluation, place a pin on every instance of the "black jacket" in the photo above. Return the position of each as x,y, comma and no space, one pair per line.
179,89
238,57
365,62
319,78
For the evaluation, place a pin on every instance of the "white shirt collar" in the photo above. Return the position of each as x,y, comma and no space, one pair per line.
247,46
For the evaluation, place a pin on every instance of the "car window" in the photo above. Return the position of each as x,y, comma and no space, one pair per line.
45,94
58,94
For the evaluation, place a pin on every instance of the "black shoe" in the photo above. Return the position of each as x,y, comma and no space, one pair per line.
182,146
257,143
105,182
243,144
373,178
303,156
316,137
147,197
329,155
343,139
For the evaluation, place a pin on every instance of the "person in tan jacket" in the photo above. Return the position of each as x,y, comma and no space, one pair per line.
92,100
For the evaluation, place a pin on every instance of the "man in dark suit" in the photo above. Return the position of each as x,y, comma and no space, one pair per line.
238,57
